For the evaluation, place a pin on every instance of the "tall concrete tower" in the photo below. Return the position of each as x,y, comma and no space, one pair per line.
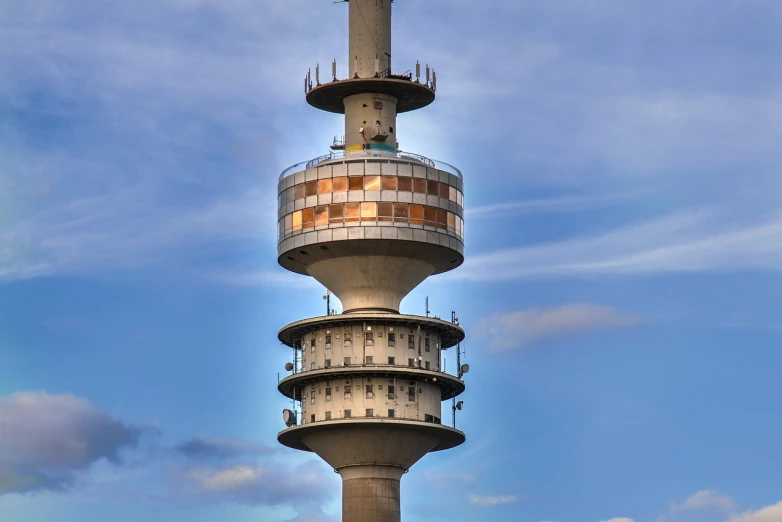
370,222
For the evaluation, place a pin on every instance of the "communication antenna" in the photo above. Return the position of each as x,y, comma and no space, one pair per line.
334,68
418,71
317,74
427,306
456,406
327,298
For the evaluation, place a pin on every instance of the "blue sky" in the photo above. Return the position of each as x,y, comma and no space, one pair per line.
622,291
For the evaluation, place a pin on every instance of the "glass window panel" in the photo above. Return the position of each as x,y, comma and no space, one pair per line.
335,213
371,182
419,185
352,211
430,216
297,220
452,194
442,218
324,186
356,182
289,223
311,188
432,188
404,183
417,214
385,211
281,227
388,182
321,215
298,191
289,196
459,198
308,217
368,211
281,199
443,190
401,213
339,184
451,222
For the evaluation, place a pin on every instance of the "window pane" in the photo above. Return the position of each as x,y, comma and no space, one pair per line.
324,186
405,184
444,190
430,216
371,182
416,214
339,184
452,194
281,227
311,188
321,215
459,198
288,223
298,191
297,220
352,212
308,217
385,211
289,195
388,182
368,211
356,182
401,212
335,213
442,218
432,188
451,222
419,185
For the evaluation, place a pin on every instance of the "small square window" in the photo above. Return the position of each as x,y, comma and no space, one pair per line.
370,391
428,418
390,414
312,366
347,391
411,342
392,360
328,415
427,365
347,361
391,339
328,339
328,394
312,345
370,359
347,414
370,412
411,363
327,363
312,418
391,392
411,394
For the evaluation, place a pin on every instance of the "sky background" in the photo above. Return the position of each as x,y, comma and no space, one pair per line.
622,292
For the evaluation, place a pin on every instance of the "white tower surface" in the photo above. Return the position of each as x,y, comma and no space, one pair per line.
370,222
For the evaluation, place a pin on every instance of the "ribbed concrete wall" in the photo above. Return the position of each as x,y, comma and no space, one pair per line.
370,500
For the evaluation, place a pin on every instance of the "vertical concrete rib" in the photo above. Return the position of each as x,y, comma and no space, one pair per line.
371,494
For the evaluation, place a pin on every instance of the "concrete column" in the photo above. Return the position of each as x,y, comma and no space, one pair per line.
370,37
369,116
371,493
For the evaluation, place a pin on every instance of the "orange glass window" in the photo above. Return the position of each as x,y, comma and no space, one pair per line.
324,186
335,213
356,182
443,190
311,188
369,211
289,223
430,216
432,188
388,183
385,211
401,213
339,184
297,220
419,185
298,191
321,215
452,194
405,184
451,222
416,214
352,211
371,182
308,217
442,218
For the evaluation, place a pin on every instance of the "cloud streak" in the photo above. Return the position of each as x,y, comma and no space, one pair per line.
492,500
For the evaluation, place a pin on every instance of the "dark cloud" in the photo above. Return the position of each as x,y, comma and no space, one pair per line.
220,449
45,439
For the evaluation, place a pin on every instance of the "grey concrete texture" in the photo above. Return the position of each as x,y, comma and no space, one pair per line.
371,500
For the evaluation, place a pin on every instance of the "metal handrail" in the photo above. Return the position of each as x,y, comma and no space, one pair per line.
403,155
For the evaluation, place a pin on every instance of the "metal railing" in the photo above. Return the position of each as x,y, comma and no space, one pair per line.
400,155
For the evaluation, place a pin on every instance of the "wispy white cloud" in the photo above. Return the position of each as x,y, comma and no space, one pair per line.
680,242
546,206
620,519
493,500
767,514
706,500
521,328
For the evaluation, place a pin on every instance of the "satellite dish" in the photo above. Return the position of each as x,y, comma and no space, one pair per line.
288,366
289,417
460,405
465,368
420,357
